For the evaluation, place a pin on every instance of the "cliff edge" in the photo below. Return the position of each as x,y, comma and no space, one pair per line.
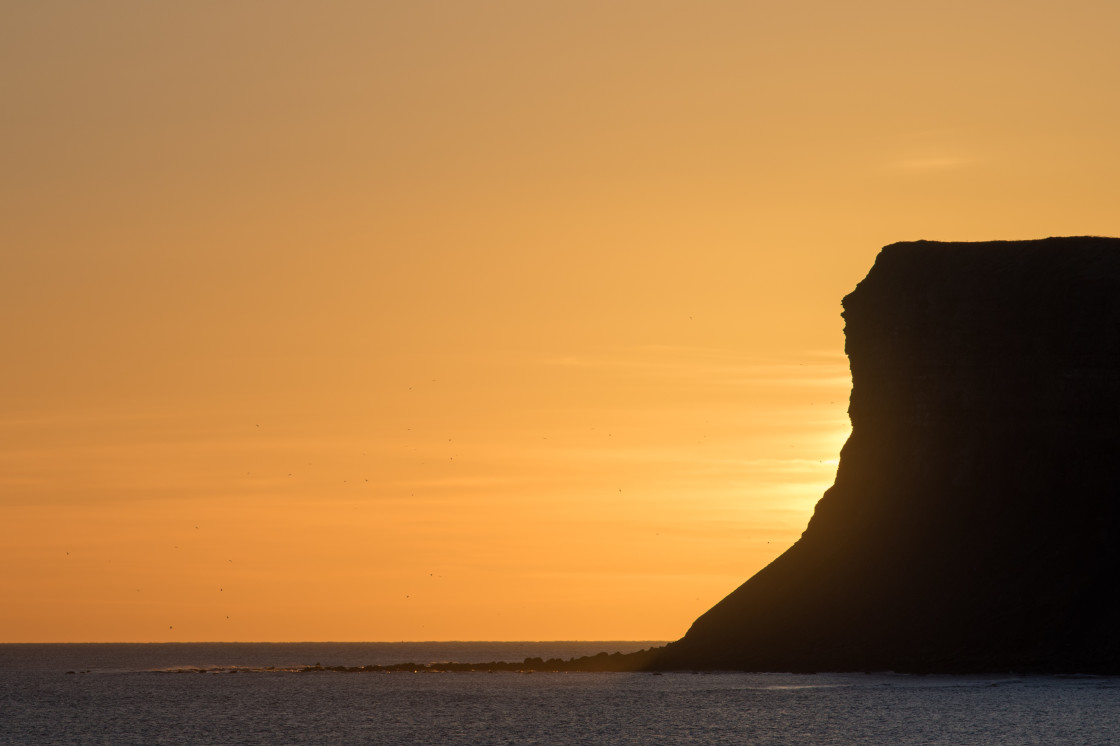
974,524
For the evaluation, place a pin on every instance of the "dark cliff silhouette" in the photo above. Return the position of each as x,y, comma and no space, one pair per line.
973,524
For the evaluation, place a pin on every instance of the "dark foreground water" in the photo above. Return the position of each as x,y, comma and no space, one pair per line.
128,697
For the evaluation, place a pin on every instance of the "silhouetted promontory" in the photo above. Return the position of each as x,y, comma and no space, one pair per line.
973,524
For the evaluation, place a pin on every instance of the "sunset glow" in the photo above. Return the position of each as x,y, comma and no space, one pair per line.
481,320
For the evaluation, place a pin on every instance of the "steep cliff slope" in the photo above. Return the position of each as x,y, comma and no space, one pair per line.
974,524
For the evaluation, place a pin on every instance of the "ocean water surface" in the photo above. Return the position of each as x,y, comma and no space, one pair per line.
132,694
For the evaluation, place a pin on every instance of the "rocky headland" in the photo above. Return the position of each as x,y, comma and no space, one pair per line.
974,524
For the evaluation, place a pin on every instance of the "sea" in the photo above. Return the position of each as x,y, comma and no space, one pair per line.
188,694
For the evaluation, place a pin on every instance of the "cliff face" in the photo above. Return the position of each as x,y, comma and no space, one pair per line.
974,524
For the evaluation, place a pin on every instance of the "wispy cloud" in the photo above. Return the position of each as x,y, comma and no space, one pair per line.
713,365
926,164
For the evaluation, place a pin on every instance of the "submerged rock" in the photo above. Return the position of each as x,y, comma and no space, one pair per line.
973,524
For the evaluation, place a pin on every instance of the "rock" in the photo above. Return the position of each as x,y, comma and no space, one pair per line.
973,524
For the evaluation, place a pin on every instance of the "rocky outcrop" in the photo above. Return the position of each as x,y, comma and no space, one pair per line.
974,524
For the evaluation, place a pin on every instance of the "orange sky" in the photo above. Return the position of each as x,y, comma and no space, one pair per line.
479,320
